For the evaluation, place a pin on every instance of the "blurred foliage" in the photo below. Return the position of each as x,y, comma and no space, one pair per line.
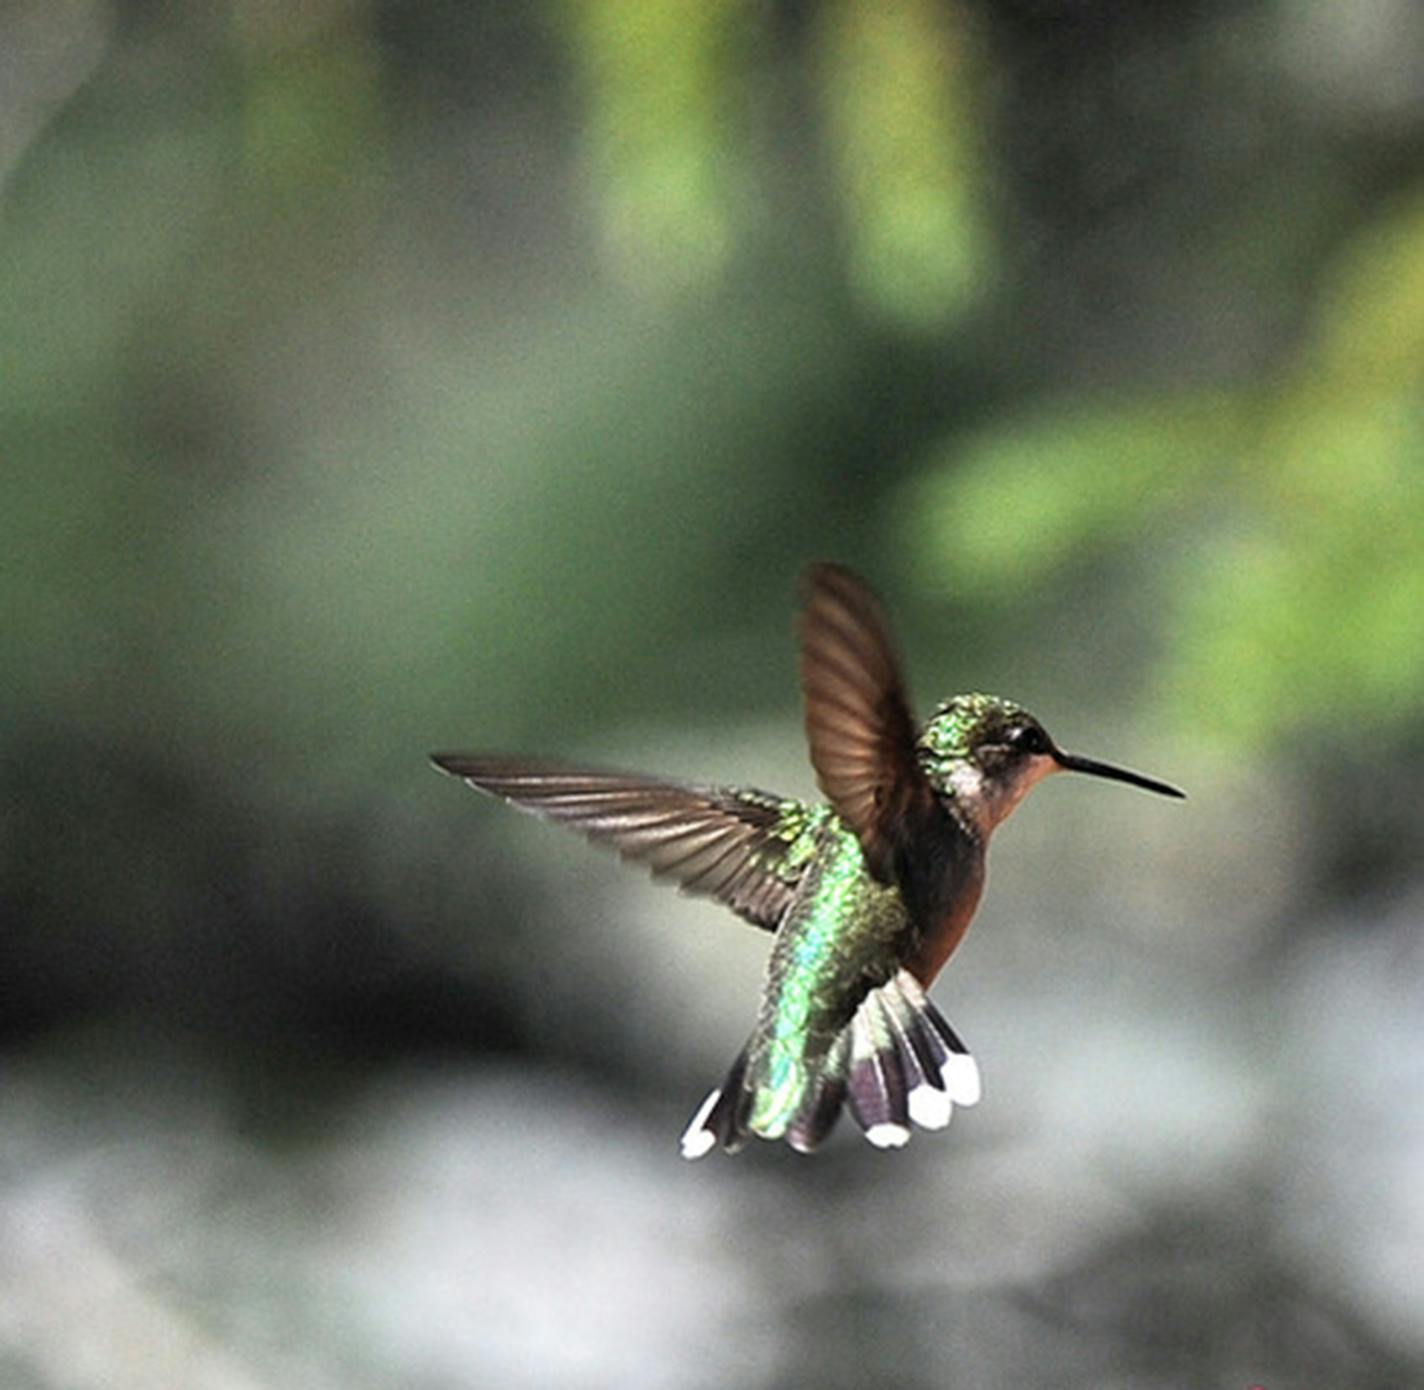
676,96
1293,512
902,119
311,93
666,103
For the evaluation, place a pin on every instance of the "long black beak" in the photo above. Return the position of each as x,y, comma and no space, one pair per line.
1116,774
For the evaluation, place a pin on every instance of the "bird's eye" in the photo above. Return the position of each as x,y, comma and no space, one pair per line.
1027,738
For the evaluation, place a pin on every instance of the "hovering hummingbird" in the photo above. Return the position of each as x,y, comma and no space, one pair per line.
868,896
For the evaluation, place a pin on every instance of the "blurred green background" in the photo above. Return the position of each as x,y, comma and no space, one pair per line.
377,378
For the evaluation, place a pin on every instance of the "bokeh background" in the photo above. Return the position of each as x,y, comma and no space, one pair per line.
383,377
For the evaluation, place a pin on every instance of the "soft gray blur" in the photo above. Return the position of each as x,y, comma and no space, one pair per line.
380,378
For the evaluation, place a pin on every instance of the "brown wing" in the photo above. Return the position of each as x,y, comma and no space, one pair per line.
858,722
727,843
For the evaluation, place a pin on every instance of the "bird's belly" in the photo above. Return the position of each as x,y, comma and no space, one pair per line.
943,938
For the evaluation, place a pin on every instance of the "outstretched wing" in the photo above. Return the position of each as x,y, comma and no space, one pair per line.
858,721
733,845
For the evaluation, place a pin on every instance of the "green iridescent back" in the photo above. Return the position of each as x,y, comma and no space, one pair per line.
840,930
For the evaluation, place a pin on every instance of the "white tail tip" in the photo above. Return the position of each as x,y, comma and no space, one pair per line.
960,1075
888,1136
930,1108
697,1141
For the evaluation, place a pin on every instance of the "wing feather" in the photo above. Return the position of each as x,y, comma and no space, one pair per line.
722,842
858,721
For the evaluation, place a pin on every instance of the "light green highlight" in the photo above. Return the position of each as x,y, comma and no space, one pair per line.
900,117
657,79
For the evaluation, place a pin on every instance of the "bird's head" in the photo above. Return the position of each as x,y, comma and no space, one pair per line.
986,754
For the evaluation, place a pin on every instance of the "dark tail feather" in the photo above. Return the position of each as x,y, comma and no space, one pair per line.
879,1096
818,1118
920,1053
959,1072
721,1120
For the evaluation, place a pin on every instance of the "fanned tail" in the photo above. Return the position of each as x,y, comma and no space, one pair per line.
898,1063
908,1066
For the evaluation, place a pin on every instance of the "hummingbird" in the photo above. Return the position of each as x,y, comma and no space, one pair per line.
867,894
